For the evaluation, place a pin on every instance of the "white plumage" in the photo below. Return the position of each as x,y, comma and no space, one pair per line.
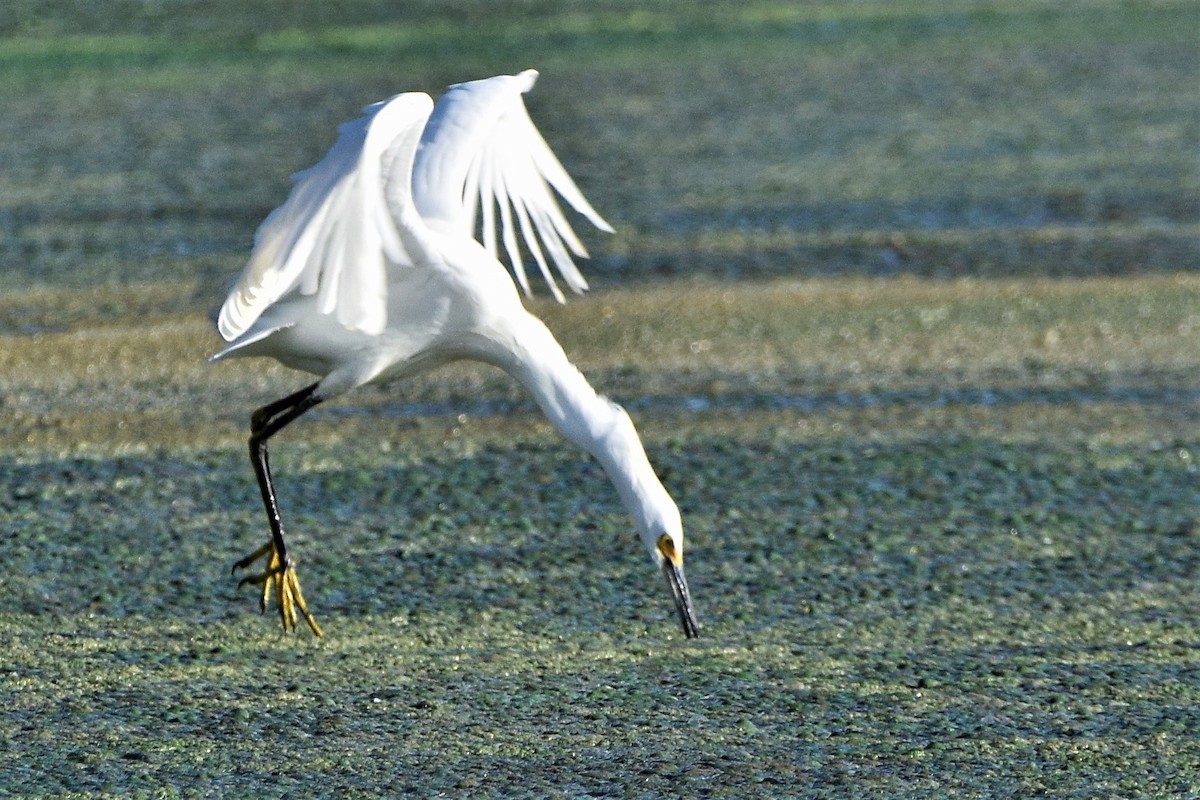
371,271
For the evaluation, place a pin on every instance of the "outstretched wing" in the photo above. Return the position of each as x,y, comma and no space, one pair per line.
480,150
345,219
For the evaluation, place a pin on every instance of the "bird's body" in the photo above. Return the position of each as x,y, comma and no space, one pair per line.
432,315
371,272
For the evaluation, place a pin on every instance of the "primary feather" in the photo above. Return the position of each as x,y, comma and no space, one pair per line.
480,150
331,236
405,167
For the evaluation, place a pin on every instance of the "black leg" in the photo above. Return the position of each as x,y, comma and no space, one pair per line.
264,423
280,575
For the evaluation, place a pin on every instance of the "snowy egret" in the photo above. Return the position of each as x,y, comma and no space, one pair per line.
371,271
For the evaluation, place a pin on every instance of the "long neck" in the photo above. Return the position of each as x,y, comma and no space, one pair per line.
596,424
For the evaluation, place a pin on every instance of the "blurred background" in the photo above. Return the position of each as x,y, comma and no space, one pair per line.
144,141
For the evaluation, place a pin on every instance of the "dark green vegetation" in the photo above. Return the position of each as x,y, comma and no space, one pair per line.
904,298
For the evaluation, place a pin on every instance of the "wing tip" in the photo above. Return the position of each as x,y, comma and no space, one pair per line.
527,79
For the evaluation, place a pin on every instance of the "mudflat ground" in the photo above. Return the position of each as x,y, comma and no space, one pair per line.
904,299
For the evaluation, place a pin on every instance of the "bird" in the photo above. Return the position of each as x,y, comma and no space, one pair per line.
383,263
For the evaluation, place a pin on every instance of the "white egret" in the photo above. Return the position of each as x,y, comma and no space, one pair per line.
370,271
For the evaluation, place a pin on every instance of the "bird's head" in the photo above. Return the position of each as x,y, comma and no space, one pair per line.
661,529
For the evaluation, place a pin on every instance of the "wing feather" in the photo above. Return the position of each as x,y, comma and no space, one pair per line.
345,221
480,150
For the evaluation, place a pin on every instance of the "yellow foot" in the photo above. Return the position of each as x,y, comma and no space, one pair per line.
279,579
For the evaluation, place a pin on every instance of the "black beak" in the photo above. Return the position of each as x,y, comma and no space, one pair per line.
683,598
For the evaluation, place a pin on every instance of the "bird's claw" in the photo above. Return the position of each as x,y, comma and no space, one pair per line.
279,579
